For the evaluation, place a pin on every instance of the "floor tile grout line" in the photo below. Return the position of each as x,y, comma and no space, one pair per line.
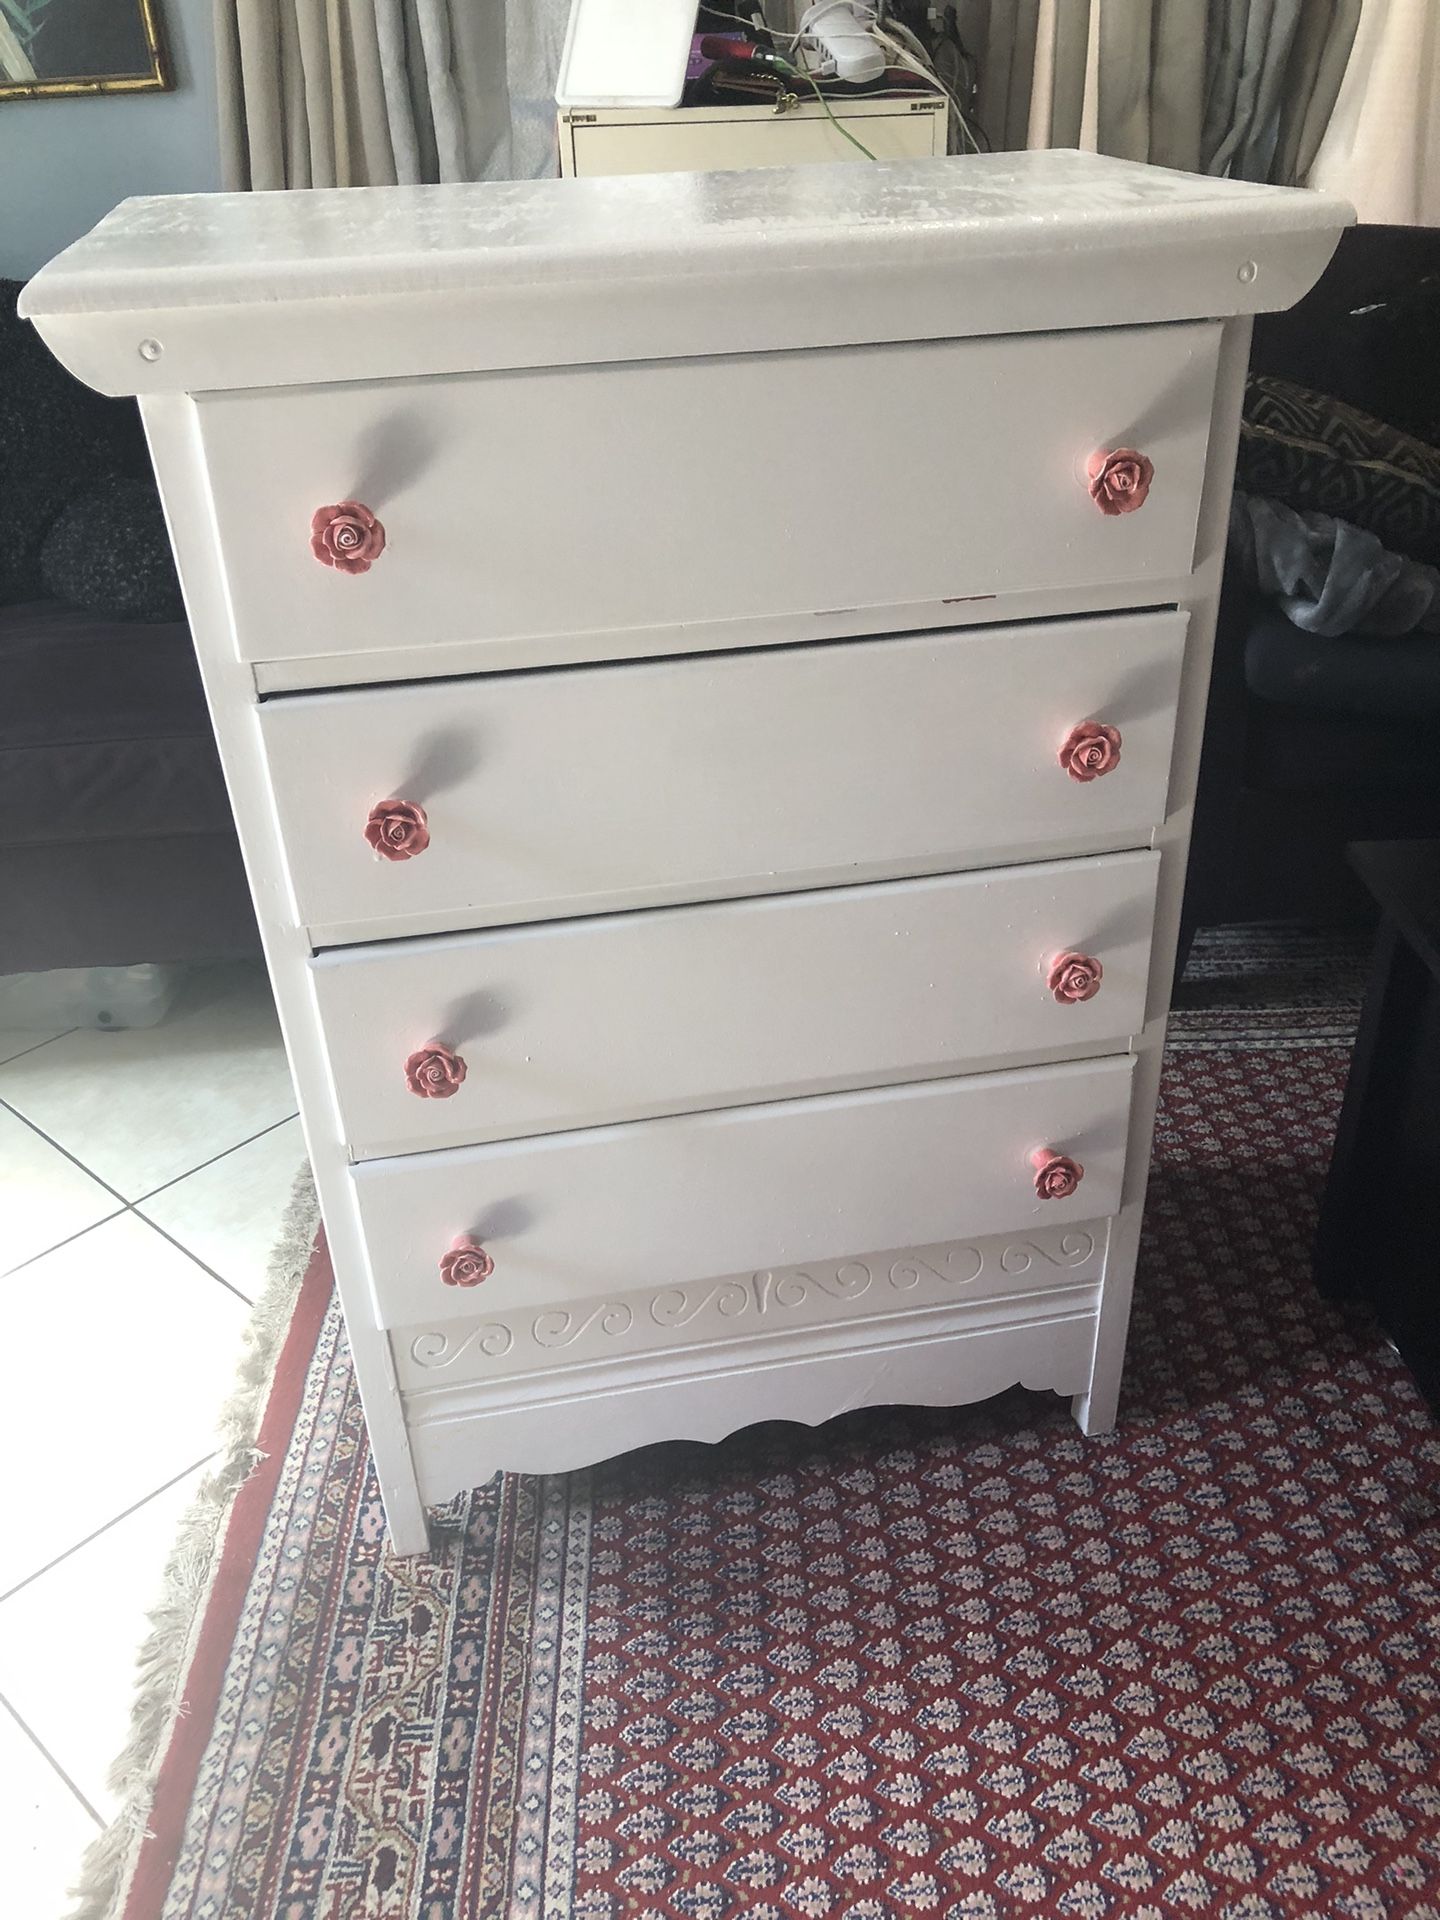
90,1538
79,1234
49,1040
50,1760
133,1209
165,1185
134,1206
74,1161
190,1254
214,1159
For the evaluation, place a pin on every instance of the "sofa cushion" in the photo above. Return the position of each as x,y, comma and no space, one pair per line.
1314,452
109,553
114,903
1352,713
104,732
56,437
1352,762
1347,675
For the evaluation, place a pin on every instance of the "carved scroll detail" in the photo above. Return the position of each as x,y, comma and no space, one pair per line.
561,1328
678,1306
1075,1249
905,1274
768,1295
436,1349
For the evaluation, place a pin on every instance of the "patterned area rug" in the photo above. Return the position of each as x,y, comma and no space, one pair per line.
935,1664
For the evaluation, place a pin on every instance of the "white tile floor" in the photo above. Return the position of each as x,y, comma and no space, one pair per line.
143,1178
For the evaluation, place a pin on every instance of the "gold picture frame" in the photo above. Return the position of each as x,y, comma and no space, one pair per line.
124,34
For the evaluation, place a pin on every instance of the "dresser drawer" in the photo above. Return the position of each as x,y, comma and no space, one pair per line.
989,1281
623,497
665,1202
574,792
621,1017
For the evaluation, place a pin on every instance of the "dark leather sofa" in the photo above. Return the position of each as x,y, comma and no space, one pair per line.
1312,742
116,842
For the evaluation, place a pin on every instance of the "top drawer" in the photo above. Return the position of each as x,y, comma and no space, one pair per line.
616,498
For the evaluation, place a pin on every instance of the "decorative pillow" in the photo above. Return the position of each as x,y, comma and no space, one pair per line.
1317,454
108,553
56,437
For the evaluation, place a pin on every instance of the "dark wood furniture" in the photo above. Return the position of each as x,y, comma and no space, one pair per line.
1379,1236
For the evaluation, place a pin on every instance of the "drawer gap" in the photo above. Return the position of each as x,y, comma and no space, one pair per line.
280,696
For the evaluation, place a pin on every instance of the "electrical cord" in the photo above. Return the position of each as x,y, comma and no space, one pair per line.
791,71
777,34
844,132
923,66
902,32
927,72
929,69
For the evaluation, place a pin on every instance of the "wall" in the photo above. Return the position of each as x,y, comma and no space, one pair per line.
64,163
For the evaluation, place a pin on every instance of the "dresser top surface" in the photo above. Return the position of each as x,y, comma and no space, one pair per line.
490,246
200,249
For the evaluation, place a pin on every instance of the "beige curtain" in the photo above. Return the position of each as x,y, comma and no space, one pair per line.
1323,47
1238,87
1381,148
1275,73
341,93
1125,79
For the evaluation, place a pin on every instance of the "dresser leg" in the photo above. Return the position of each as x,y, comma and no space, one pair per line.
408,1527
1094,1412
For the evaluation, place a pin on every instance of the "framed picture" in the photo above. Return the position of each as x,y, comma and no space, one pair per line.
81,46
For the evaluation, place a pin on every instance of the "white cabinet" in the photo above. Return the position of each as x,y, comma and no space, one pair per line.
710,671
601,140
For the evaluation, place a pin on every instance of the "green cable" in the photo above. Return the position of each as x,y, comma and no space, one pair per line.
844,132
801,73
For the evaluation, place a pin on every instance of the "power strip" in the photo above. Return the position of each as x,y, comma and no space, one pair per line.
836,41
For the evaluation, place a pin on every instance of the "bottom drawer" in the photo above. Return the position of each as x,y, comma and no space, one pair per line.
662,1203
993,1280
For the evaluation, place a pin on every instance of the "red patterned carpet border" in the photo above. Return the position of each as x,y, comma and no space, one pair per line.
938,1664
244,1529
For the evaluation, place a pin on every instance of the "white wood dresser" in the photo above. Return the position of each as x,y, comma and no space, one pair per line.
710,669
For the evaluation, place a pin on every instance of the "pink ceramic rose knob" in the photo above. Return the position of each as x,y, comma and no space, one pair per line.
1075,977
1090,749
434,1072
347,537
466,1264
398,829
1119,480
1056,1174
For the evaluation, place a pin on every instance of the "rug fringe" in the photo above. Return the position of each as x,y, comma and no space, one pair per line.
163,1662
